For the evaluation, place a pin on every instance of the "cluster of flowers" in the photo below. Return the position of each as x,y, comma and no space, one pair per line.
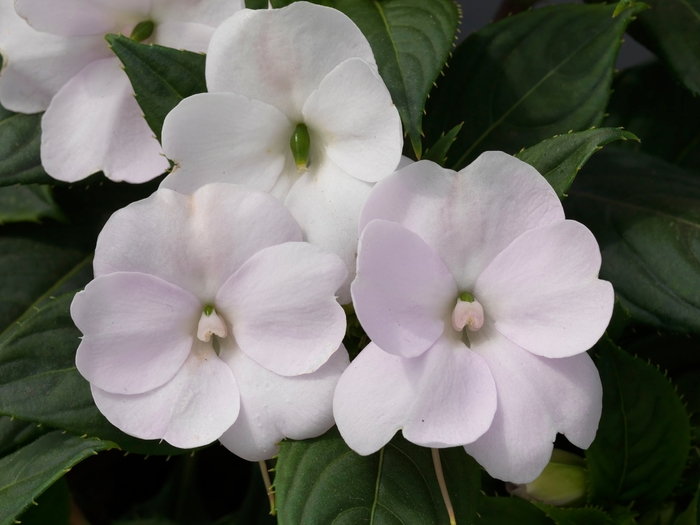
215,312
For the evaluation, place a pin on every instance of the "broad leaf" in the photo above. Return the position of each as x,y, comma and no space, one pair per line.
576,516
39,381
527,78
20,140
438,151
161,77
560,158
690,516
52,507
643,438
322,481
27,204
15,434
25,474
645,214
510,511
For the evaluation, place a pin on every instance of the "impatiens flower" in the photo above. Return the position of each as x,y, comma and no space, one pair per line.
296,104
61,63
481,300
209,319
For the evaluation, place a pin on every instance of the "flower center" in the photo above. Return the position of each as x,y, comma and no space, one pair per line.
210,324
142,31
301,144
468,313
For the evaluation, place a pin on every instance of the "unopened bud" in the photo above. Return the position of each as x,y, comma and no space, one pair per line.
300,144
142,31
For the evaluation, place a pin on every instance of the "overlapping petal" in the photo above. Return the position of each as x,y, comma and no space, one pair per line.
205,12
403,292
183,35
281,56
191,410
537,397
543,293
274,407
443,398
138,331
282,306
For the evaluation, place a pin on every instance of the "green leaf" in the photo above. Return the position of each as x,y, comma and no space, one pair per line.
586,516
161,77
15,434
527,78
643,438
662,113
53,507
510,511
645,214
560,158
671,29
256,4
25,474
27,204
438,151
39,381
690,516
322,481
20,140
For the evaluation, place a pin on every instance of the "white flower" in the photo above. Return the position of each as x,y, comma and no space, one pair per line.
481,300
209,319
302,74
63,65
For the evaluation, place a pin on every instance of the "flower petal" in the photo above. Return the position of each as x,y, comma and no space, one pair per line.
82,17
274,407
468,217
443,398
280,56
183,35
222,137
137,331
543,293
281,303
326,202
207,12
195,242
537,397
352,115
94,123
403,292
191,410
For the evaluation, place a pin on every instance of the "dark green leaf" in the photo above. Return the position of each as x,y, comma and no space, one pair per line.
463,480
20,139
322,481
527,78
662,113
27,204
643,438
510,511
161,77
15,434
25,474
52,507
560,158
39,381
256,4
575,516
645,214
438,151
690,516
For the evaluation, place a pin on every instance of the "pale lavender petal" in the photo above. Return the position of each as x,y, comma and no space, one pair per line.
274,407
183,35
137,331
207,12
443,398
195,242
543,293
281,304
193,409
468,217
403,292
537,397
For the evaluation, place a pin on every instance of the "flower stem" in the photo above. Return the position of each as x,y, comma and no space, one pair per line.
443,485
268,486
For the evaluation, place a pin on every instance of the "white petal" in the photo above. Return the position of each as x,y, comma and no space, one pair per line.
222,137
82,17
443,398
543,293
352,115
192,410
537,397
206,12
137,331
280,56
468,217
274,407
36,65
195,242
326,202
282,306
183,35
94,124
403,292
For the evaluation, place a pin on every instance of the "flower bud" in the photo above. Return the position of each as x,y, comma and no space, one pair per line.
142,31
300,144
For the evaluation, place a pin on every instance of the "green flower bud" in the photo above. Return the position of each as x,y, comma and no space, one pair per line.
142,31
300,144
466,297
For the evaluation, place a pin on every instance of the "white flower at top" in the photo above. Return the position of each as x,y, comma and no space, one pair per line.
481,300
56,59
209,319
295,103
